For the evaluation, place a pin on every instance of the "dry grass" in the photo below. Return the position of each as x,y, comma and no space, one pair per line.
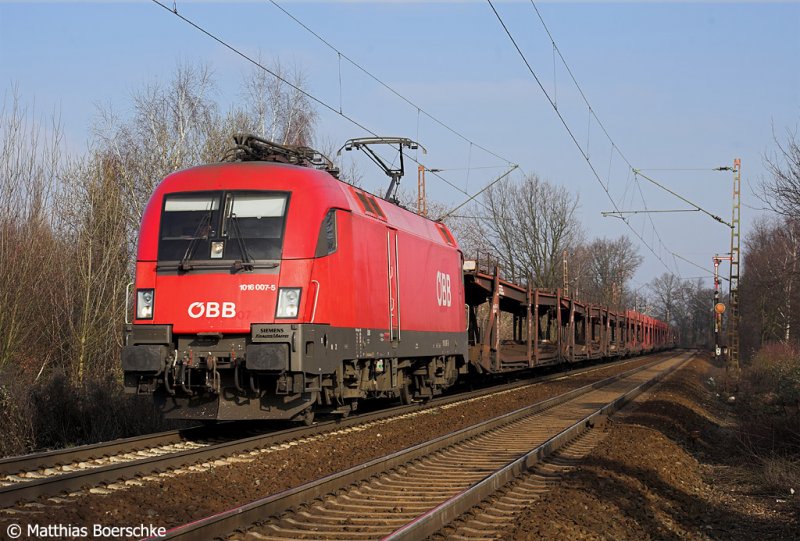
780,474
768,407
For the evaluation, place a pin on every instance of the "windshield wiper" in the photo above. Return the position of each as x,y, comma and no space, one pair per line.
205,222
246,262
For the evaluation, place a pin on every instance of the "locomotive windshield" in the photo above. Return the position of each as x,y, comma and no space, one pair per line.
209,227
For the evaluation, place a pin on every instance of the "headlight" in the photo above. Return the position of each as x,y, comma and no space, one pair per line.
145,299
288,302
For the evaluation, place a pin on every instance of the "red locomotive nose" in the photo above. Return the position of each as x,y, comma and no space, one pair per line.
231,303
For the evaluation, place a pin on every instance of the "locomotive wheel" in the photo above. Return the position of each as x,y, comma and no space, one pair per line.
406,396
307,417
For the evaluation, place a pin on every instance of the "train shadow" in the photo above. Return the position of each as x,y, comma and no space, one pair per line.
697,432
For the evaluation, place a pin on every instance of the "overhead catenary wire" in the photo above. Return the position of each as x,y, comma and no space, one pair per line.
614,146
575,81
592,111
495,181
699,266
637,174
359,124
678,169
441,169
605,131
656,211
419,109
652,223
386,85
261,66
305,93
570,132
701,209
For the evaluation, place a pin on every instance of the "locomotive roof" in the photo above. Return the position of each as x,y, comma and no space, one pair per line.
328,192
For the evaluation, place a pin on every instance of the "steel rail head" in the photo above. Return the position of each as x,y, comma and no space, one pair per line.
15,464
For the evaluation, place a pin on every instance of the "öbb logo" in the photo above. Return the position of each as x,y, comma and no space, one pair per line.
443,295
212,309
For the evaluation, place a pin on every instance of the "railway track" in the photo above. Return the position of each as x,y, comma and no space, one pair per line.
20,469
414,493
490,518
67,471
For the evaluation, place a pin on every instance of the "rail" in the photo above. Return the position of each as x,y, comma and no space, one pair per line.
43,483
358,488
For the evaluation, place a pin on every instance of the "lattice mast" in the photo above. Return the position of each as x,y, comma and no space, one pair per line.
733,318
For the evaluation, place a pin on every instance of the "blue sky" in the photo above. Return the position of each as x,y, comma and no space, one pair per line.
676,84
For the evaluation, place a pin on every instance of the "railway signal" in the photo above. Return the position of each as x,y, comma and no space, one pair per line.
719,308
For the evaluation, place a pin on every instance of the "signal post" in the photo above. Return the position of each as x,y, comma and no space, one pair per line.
719,308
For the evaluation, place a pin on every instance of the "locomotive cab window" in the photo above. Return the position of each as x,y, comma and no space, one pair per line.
327,241
253,225
188,220
216,227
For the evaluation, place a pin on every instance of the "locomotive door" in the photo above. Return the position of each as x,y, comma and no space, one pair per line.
393,278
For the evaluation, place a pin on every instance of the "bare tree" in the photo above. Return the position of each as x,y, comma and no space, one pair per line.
278,107
782,191
770,286
686,306
168,131
579,276
470,232
666,290
694,317
178,124
93,215
529,225
769,290
611,265
30,166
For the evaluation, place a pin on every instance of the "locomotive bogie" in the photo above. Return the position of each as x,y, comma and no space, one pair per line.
278,371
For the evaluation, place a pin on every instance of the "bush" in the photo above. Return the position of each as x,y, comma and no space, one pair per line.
772,381
16,430
768,406
57,413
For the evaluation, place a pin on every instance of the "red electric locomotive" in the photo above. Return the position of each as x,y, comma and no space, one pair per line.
265,290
